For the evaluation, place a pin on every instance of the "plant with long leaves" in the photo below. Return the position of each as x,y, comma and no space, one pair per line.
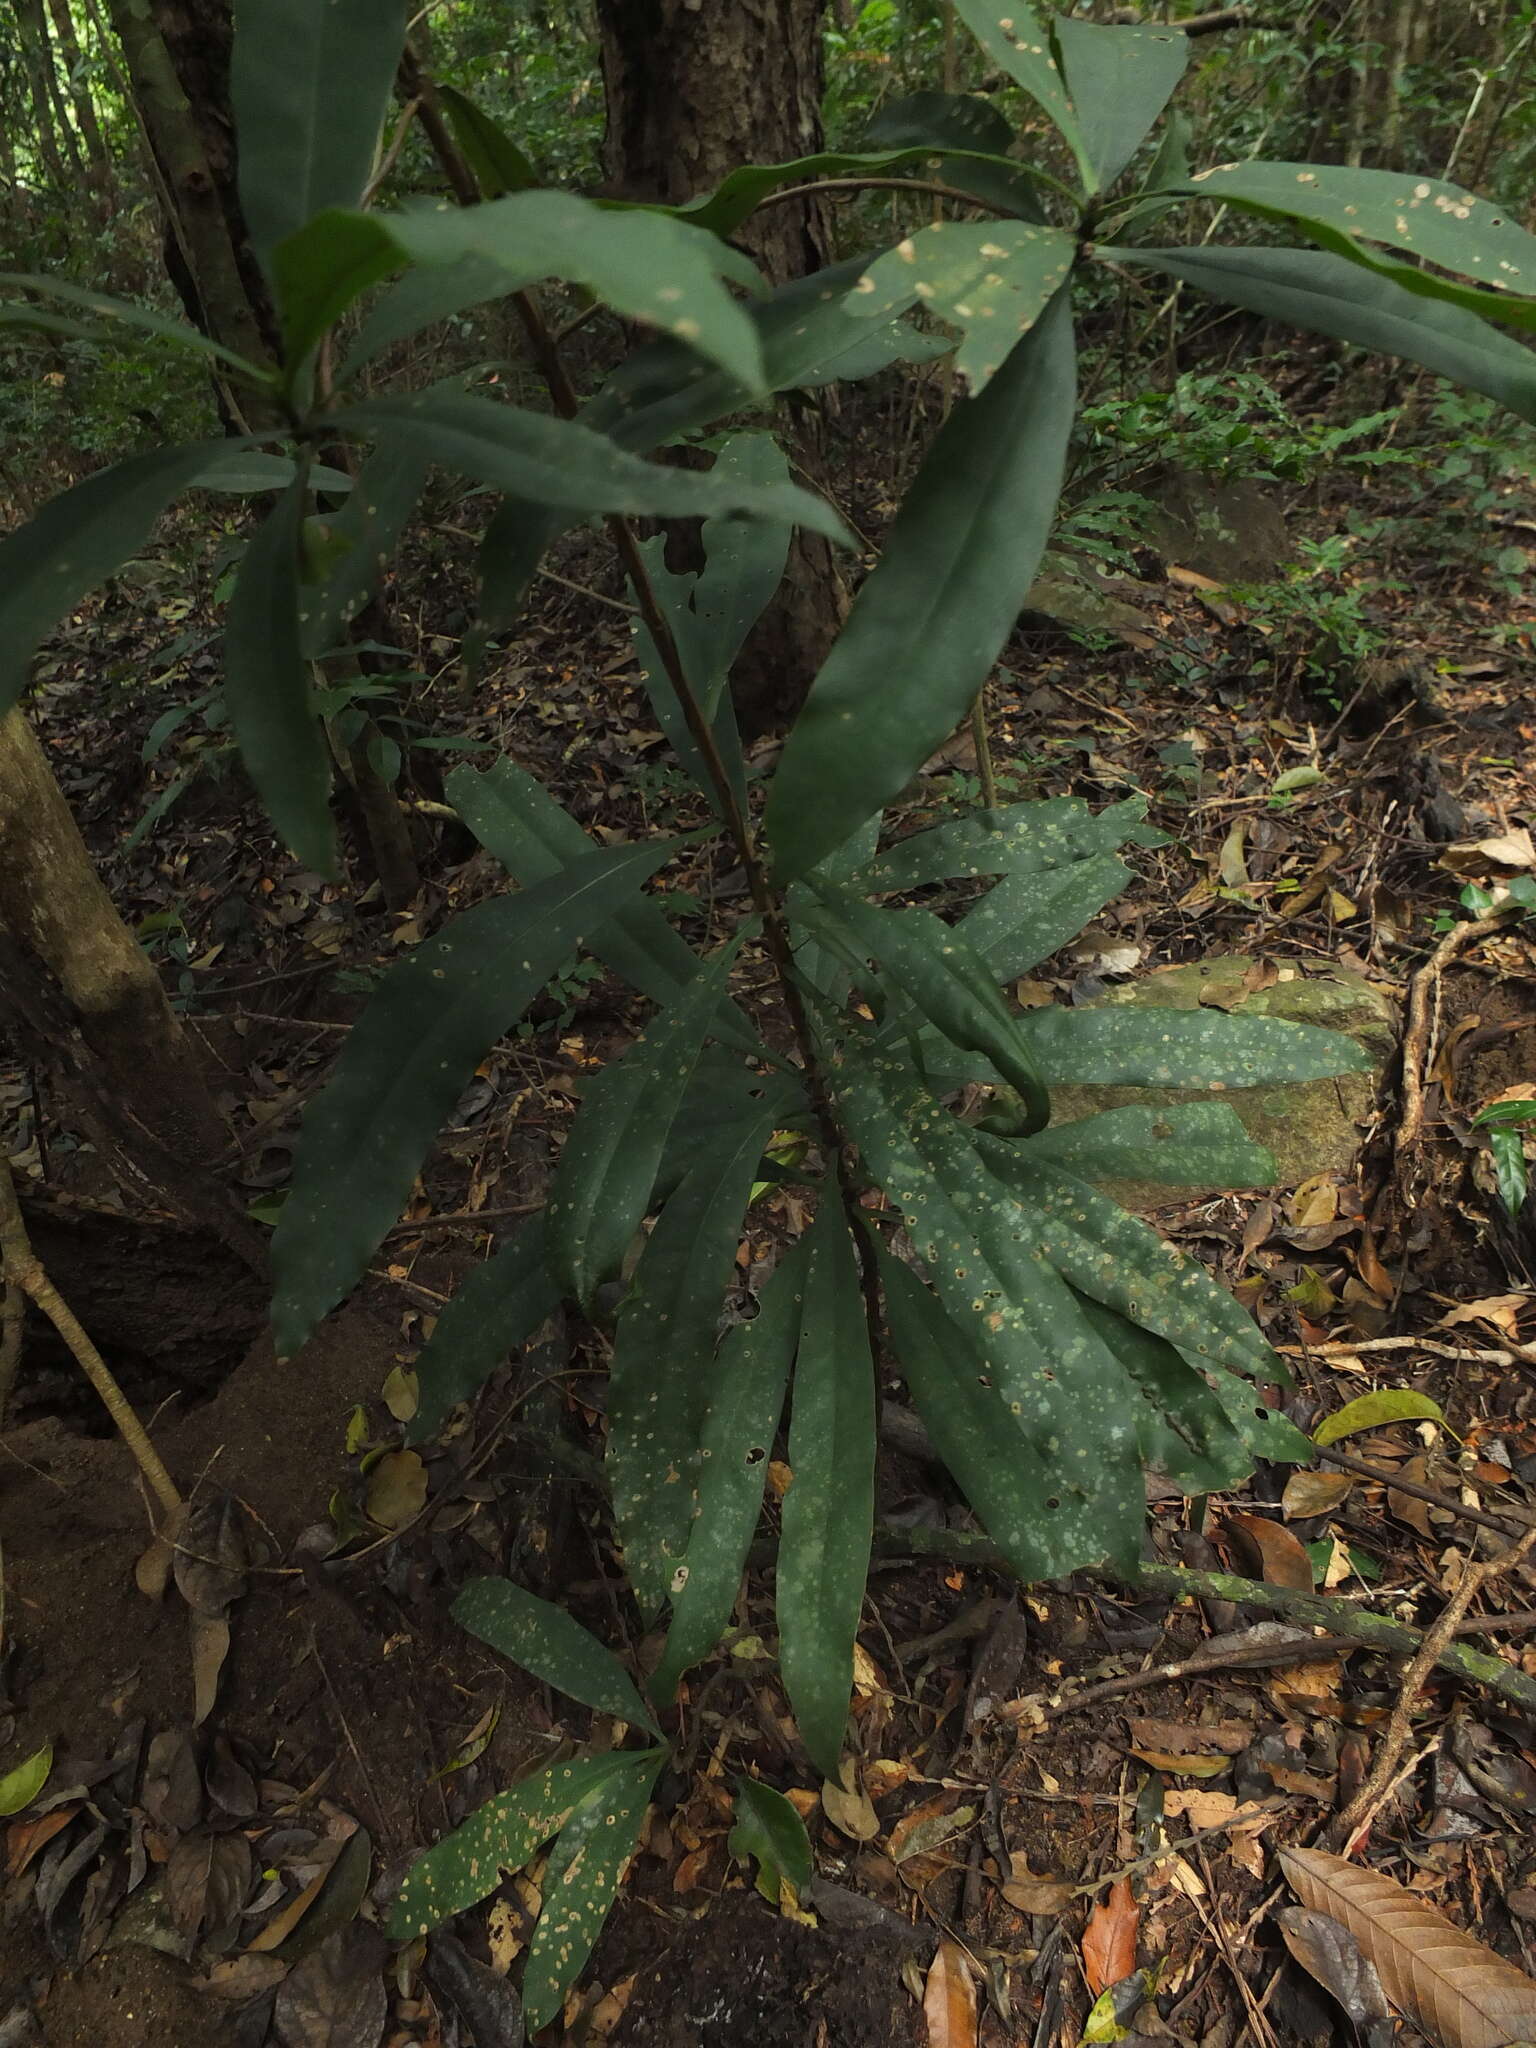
1053,1344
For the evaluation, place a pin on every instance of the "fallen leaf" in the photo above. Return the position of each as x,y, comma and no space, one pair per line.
847,1805
210,1646
397,1489
1032,1893
25,1838
1109,1939
335,1998
927,1827
1452,1987
21,1785
1314,1493
1281,1559
172,1789
1184,1766
1501,1310
1370,1411
949,1999
1406,1506
1475,856
1327,1950
1230,1737
211,1558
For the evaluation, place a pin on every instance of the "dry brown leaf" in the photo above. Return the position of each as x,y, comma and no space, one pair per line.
949,1999
1031,1893
1189,1766
1188,1737
1314,1493
1279,1555
1452,1987
1501,1310
847,1805
1109,1939
1475,856
1406,1506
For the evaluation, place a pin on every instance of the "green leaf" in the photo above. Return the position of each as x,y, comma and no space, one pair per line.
256,472
1190,1144
739,195
20,1785
1120,79
468,1865
78,540
1019,839
1014,38
309,86
1310,289
1509,1168
1371,1411
745,1402
935,967
499,165
356,543
607,1170
663,1365
1344,209
928,623
769,1830
553,1645
408,1058
515,818
958,125
581,1881
115,315
993,279
496,1306
1024,919
534,455
267,692
1156,1048
828,1515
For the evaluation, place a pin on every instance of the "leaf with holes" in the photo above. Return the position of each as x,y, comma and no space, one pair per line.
828,1513
607,1171
406,1062
581,1880
1308,288
496,1306
663,1358
929,620
991,279
1347,209
745,1402
468,1865
1447,1983
551,1644
1120,79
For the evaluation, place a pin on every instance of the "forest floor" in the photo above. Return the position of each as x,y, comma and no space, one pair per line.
1023,1757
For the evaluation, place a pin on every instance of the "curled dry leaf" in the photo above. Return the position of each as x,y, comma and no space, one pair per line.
1315,1493
847,1805
1453,1988
1329,1952
1029,1892
1280,1557
1109,1939
949,1999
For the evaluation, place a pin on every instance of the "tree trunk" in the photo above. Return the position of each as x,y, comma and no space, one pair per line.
86,1004
80,96
36,55
693,92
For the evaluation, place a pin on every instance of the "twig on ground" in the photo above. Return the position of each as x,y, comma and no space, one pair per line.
1461,1354
24,1277
1353,1822
1502,1525
1423,985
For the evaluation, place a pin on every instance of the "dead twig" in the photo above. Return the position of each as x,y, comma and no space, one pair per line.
26,1280
1423,986
1353,1822
1501,1525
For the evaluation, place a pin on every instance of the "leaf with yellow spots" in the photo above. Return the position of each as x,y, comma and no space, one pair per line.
1014,38
583,1876
551,1644
1349,210
993,280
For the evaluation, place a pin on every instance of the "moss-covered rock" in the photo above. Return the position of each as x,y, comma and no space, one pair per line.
1309,1126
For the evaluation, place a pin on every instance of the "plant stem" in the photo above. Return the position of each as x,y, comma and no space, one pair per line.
983,741
25,1278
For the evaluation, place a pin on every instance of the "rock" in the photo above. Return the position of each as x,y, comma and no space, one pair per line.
1230,530
1309,1126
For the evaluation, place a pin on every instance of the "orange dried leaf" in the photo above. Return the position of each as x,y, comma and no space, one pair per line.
949,1999
1109,1939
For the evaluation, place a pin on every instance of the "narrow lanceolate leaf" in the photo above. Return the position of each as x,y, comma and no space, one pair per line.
1188,1144
468,1864
829,1508
78,540
515,818
999,1468
1024,919
535,455
663,1355
934,966
495,1307
353,547
1155,1048
927,625
499,165
741,193
1311,289
1014,37
992,279
607,1171
267,688
1120,80
951,125
309,86
586,1867
745,1397
113,315
1357,212
1445,1981
1019,839
408,1059
553,1645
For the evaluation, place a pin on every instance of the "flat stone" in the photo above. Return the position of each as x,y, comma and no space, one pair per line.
1229,529
1309,1126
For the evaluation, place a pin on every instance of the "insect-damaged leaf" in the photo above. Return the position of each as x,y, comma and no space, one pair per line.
406,1062
829,1508
551,1644
769,1830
